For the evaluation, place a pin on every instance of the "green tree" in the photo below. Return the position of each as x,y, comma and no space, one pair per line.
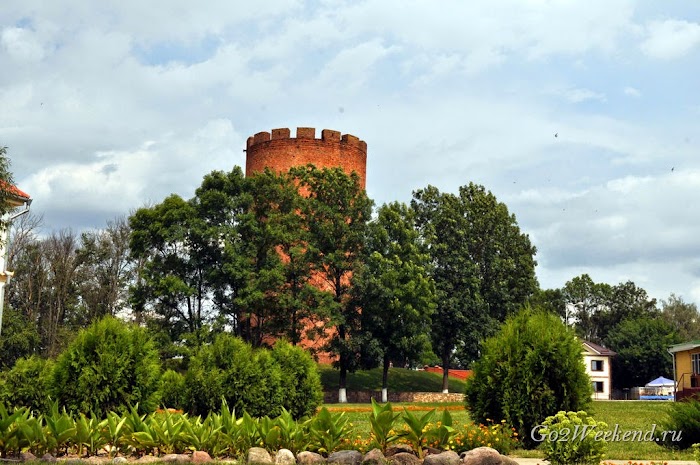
393,289
641,345
482,265
682,316
173,282
532,369
6,185
551,300
20,337
336,211
587,299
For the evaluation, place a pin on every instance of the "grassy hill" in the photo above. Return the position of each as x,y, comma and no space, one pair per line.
400,380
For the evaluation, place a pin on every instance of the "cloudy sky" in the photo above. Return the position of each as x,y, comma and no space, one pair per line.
110,105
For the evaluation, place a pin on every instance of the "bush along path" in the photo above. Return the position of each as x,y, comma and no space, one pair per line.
405,438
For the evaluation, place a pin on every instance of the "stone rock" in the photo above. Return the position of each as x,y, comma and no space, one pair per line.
199,456
258,455
374,457
485,456
48,458
285,457
345,457
27,457
118,460
176,458
395,449
448,457
404,458
431,451
148,459
310,458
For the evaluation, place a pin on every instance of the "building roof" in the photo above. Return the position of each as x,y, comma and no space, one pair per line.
14,191
597,349
684,346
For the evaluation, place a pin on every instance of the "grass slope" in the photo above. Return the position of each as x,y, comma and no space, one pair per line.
400,380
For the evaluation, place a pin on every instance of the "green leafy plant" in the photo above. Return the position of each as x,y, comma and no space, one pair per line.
302,392
327,431
417,429
294,434
59,429
114,432
88,434
205,435
381,422
571,438
440,436
499,436
8,429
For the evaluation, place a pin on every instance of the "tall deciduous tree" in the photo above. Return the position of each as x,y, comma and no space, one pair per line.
393,289
587,299
336,212
482,265
641,345
173,279
682,316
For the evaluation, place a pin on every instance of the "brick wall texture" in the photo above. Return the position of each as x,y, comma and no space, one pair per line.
277,150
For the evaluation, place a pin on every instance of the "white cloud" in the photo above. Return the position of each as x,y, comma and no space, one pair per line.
671,39
21,44
632,92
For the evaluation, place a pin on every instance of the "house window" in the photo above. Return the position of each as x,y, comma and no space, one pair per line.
695,361
597,365
597,386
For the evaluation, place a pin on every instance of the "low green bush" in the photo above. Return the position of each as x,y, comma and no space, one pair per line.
26,384
172,390
230,369
683,420
109,366
571,438
302,392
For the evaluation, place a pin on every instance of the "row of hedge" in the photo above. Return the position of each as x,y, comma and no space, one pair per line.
113,365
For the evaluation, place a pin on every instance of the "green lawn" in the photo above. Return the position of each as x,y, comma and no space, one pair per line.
628,415
400,380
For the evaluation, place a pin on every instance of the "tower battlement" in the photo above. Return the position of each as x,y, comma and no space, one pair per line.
279,151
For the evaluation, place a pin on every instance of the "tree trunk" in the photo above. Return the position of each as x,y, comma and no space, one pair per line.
445,371
385,380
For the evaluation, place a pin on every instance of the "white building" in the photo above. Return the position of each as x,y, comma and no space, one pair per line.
598,361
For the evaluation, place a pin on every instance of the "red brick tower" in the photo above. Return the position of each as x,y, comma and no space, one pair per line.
278,151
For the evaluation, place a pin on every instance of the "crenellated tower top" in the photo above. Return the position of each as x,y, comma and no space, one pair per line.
279,151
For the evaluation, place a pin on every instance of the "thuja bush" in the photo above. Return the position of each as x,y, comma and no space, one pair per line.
302,391
532,369
26,384
246,379
109,366
172,390
681,429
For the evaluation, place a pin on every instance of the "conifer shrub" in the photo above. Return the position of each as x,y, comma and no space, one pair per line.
26,384
230,369
172,390
302,391
681,429
110,365
532,369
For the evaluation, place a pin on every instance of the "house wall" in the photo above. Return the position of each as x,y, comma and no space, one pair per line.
684,368
603,376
